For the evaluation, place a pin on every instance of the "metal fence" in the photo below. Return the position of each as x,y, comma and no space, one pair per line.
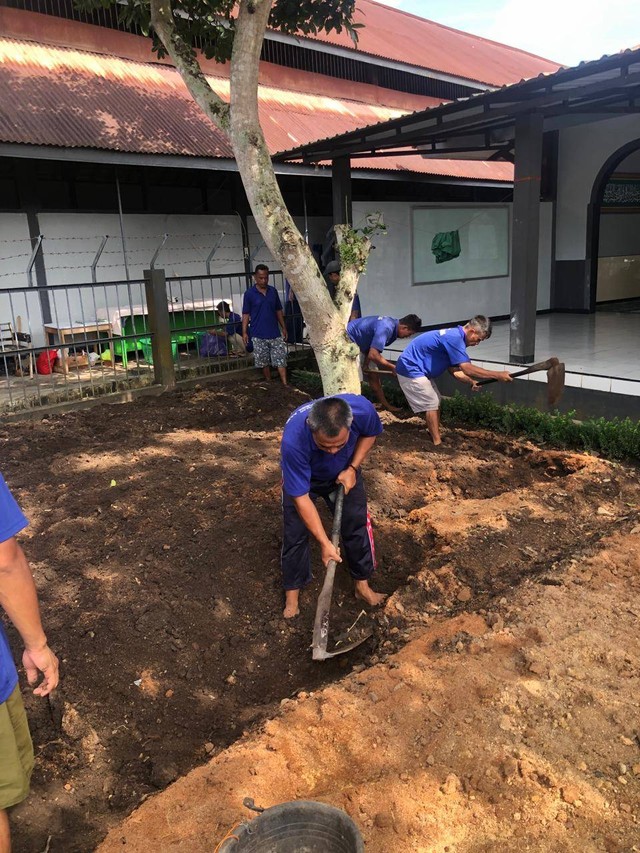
66,343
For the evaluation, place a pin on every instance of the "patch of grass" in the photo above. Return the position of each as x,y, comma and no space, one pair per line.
613,439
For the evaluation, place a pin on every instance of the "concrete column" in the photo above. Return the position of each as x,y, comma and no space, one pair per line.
155,286
525,237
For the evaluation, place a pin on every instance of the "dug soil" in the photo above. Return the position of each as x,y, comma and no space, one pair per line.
494,709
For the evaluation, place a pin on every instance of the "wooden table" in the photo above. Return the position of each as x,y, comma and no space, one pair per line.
66,336
63,333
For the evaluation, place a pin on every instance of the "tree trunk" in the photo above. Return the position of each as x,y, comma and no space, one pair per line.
326,321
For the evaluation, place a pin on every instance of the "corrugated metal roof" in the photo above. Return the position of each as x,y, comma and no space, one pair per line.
478,170
403,37
555,88
75,99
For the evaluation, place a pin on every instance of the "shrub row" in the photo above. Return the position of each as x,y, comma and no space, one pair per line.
613,439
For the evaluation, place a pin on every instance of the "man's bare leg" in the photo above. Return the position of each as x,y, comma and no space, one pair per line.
5,838
433,425
366,594
291,608
283,375
267,373
376,386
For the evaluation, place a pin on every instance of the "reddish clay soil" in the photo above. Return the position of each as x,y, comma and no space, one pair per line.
495,708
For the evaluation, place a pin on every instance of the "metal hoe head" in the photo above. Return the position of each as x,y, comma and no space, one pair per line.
321,623
555,382
320,651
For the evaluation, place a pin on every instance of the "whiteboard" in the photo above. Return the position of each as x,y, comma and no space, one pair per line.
484,242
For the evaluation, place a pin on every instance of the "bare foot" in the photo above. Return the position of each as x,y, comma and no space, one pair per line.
395,410
291,608
364,592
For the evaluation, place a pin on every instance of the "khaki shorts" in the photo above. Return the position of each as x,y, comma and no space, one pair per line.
421,392
16,752
362,363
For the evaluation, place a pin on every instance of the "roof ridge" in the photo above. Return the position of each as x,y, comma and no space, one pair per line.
41,41
460,32
169,66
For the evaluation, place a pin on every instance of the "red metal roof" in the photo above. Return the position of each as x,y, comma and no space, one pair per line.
400,36
76,99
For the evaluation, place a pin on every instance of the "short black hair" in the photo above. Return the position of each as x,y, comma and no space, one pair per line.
260,267
412,322
330,416
223,306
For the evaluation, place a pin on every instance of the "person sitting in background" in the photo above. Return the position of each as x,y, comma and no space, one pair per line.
332,277
373,335
233,328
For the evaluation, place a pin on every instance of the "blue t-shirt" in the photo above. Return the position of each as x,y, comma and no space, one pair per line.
302,461
262,311
431,353
376,332
234,324
12,521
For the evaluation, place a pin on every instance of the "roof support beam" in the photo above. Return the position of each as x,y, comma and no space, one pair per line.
525,237
471,116
341,191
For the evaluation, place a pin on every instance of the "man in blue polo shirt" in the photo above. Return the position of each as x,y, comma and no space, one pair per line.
19,600
434,352
373,334
262,308
324,443
232,331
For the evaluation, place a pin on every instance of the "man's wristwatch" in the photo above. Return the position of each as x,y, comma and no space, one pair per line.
352,466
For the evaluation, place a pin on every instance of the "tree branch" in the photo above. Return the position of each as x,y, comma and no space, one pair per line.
185,60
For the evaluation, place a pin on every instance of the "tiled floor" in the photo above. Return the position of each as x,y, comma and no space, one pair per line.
600,351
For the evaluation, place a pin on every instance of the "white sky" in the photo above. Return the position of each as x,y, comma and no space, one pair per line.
567,31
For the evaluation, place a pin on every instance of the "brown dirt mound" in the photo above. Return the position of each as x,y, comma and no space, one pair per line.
155,542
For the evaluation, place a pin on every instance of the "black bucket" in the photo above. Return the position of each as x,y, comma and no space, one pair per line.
300,826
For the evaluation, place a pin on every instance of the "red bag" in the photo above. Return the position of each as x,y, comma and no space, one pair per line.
45,362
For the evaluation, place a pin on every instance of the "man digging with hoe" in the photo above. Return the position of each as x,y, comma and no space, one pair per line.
323,445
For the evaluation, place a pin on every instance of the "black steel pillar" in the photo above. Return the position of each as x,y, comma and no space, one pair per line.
525,237
341,191
242,210
30,202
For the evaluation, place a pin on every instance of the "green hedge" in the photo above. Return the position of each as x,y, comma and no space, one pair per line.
614,439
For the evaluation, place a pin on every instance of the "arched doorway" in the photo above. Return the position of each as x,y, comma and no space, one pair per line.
613,230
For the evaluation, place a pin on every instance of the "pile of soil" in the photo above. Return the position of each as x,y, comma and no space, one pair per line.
155,542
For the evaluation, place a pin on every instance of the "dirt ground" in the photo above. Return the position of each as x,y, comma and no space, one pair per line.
495,708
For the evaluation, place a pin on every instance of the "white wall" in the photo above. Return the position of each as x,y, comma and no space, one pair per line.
22,310
386,287
582,152
71,241
619,234
317,227
618,278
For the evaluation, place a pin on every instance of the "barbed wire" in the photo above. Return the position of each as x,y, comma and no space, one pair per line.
77,268
13,257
